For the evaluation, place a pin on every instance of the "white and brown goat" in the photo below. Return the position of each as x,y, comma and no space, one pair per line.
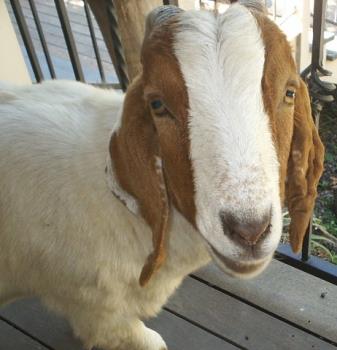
213,136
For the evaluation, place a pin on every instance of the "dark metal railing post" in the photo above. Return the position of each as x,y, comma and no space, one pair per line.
27,40
42,38
69,38
320,91
94,41
306,249
120,65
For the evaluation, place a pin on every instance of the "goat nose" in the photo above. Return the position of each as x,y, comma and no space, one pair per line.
246,233
251,233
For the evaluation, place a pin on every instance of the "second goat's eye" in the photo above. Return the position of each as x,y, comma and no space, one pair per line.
158,107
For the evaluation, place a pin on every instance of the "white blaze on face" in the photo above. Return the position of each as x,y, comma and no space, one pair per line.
233,158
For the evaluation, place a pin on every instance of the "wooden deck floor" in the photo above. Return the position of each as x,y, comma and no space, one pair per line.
56,43
282,309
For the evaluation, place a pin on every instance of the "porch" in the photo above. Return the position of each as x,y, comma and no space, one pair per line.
284,308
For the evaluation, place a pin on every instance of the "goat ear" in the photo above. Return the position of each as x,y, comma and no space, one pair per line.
136,158
305,167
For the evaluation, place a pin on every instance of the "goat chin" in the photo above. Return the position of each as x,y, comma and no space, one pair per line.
242,270
64,236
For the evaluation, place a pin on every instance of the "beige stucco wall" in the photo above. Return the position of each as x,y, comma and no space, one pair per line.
304,54
188,4
12,65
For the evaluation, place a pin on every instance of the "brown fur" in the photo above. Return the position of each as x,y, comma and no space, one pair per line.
299,148
305,168
144,136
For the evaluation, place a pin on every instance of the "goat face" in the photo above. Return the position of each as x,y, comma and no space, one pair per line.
209,128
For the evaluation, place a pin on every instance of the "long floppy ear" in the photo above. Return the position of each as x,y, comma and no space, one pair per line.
136,159
305,167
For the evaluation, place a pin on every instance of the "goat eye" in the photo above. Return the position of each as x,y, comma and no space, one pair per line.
290,96
290,93
156,104
158,107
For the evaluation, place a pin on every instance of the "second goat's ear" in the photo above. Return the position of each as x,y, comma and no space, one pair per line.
305,167
136,159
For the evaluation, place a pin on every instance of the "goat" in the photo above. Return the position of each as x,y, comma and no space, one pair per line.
209,142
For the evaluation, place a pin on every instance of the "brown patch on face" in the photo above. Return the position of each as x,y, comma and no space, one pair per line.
299,148
150,154
166,81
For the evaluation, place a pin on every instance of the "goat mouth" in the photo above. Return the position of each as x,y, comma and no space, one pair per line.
241,269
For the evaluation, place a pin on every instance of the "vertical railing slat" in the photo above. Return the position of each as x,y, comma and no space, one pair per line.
27,40
120,65
69,38
94,41
42,38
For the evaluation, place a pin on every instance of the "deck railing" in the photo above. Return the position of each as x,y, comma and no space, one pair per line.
70,41
321,91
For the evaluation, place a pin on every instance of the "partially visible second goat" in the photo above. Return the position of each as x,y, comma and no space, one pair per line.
213,136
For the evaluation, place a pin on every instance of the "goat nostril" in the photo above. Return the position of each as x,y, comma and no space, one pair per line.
247,233
253,232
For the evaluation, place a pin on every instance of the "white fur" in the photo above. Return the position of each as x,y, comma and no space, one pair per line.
64,236
233,157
